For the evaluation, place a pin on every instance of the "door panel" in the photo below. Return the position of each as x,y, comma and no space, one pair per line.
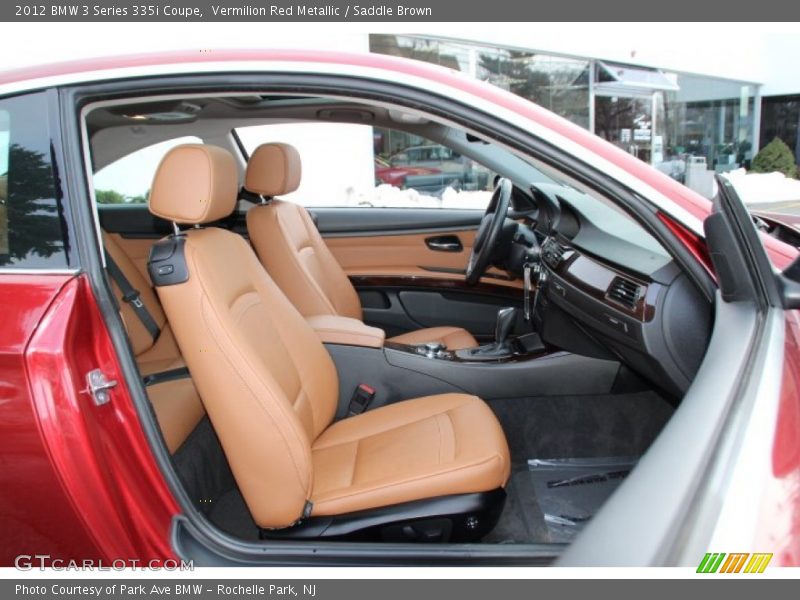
408,267
397,254
400,304
386,241
476,314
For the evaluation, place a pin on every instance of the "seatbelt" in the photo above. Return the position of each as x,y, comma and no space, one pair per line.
132,296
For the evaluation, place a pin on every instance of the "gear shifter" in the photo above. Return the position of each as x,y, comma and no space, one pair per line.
506,317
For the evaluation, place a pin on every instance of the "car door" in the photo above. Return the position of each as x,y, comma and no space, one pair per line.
408,266
728,461
67,492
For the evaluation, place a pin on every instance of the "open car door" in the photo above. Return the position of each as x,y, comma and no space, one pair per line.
722,476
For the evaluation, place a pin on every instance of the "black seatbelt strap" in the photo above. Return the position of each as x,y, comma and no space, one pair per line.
131,296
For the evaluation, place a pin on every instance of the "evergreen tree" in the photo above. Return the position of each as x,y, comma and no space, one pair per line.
775,156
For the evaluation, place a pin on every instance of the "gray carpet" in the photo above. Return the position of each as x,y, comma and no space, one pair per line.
231,514
567,427
581,426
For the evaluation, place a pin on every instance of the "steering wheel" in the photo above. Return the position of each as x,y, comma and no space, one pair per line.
489,231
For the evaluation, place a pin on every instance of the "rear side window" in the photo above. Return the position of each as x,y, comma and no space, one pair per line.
127,180
353,165
33,232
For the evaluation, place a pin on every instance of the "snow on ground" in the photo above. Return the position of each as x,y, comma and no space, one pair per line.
388,196
764,188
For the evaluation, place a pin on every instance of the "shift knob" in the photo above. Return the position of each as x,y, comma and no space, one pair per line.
506,317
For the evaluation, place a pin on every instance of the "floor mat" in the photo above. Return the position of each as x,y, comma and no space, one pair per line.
581,426
231,514
591,426
569,491
522,521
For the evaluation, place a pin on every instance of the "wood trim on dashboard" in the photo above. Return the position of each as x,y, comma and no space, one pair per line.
594,279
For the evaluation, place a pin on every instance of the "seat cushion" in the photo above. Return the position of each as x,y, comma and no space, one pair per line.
422,448
453,338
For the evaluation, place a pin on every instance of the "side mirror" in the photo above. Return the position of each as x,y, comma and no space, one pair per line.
789,282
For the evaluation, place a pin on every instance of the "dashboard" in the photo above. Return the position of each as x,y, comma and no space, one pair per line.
612,292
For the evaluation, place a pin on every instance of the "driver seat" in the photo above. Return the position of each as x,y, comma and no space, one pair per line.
295,255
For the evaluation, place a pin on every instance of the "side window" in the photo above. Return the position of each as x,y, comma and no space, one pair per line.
33,231
127,180
363,166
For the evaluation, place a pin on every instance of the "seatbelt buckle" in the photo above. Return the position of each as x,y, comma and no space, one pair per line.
362,396
133,299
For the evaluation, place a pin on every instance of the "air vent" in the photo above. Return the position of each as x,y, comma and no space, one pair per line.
624,292
553,252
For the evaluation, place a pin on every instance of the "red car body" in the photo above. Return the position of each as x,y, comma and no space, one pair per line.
77,485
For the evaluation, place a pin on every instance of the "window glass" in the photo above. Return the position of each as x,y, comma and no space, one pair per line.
359,165
127,180
33,231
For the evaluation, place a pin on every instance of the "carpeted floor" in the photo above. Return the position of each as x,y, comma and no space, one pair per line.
568,427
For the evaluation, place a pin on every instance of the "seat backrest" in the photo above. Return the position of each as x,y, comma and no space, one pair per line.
268,384
287,242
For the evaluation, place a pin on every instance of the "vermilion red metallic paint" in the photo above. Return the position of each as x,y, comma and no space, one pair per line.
36,515
781,522
86,484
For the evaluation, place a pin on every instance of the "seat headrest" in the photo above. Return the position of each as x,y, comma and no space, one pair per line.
273,170
195,183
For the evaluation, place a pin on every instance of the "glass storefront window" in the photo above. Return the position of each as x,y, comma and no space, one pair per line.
557,83
688,126
711,118
780,118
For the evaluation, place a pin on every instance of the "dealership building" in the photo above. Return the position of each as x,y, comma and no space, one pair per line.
688,125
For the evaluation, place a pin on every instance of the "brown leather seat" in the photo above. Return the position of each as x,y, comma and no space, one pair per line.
271,388
176,403
295,255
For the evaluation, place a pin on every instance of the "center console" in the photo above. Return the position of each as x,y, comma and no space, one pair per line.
509,367
503,348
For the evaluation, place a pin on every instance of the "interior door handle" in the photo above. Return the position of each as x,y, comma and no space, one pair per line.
445,243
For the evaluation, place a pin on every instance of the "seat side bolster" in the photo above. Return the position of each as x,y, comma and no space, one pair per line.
275,247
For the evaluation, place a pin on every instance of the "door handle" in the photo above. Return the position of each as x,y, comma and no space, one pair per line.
444,243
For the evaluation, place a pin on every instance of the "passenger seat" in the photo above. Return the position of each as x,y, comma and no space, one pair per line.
171,391
295,255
